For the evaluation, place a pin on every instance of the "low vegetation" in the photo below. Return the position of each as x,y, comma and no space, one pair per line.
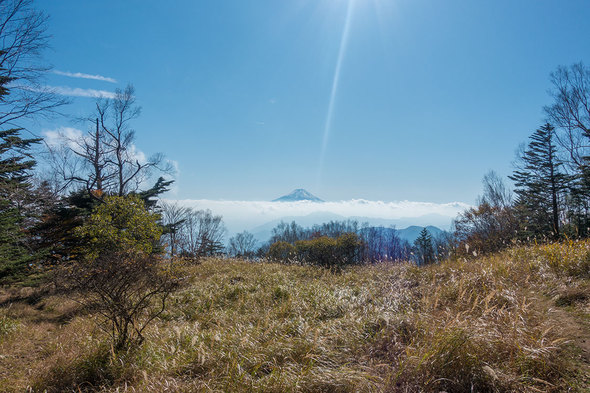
513,321
328,252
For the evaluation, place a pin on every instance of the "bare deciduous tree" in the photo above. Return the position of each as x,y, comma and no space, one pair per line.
174,218
495,191
202,234
570,112
289,233
492,224
384,244
105,159
242,245
23,38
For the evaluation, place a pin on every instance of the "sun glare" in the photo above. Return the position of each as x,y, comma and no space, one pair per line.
334,89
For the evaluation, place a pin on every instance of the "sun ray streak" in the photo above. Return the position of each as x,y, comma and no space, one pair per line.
334,91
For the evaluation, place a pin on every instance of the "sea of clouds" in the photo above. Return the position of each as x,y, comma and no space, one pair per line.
246,215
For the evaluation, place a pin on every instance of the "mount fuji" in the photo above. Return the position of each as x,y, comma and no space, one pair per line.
298,195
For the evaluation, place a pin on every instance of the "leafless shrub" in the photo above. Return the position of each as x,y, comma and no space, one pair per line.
129,290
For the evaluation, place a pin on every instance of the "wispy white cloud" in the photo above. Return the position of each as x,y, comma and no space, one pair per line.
79,92
240,215
175,167
85,76
66,146
68,136
74,139
137,154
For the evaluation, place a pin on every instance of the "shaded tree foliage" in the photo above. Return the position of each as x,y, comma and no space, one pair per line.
54,232
489,226
540,184
119,274
445,245
22,40
378,243
552,177
281,251
424,249
16,163
330,252
200,234
174,217
570,114
384,244
288,233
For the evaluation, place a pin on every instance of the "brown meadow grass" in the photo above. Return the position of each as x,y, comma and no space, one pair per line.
517,321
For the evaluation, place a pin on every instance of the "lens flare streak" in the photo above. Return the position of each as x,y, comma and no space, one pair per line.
334,91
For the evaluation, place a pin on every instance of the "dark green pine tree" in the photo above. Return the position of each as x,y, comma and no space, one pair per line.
150,196
578,200
578,204
55,241
540,184
15,164
423,248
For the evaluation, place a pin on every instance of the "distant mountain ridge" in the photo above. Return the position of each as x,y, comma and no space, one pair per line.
412,233
409,234
298,195
262,233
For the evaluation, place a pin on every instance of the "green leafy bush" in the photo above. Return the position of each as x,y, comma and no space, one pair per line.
321,251
281,251
120,224
121,275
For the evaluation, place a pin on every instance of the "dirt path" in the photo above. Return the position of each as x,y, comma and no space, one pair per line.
570,307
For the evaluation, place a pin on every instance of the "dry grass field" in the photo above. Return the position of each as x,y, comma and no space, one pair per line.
518,321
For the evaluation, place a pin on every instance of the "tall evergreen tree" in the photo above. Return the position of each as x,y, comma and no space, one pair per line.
15,163
423,248
578,205
54,232
22,40
540,184
570,113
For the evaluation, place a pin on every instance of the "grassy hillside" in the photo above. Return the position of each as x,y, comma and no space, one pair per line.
516,321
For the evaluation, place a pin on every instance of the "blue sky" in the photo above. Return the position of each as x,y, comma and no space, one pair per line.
430,94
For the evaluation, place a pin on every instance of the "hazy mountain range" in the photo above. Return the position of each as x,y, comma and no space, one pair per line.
404,227
407,228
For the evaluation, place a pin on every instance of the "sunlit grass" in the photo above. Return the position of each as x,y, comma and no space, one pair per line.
510,322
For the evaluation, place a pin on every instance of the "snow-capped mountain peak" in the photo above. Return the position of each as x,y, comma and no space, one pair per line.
298,195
